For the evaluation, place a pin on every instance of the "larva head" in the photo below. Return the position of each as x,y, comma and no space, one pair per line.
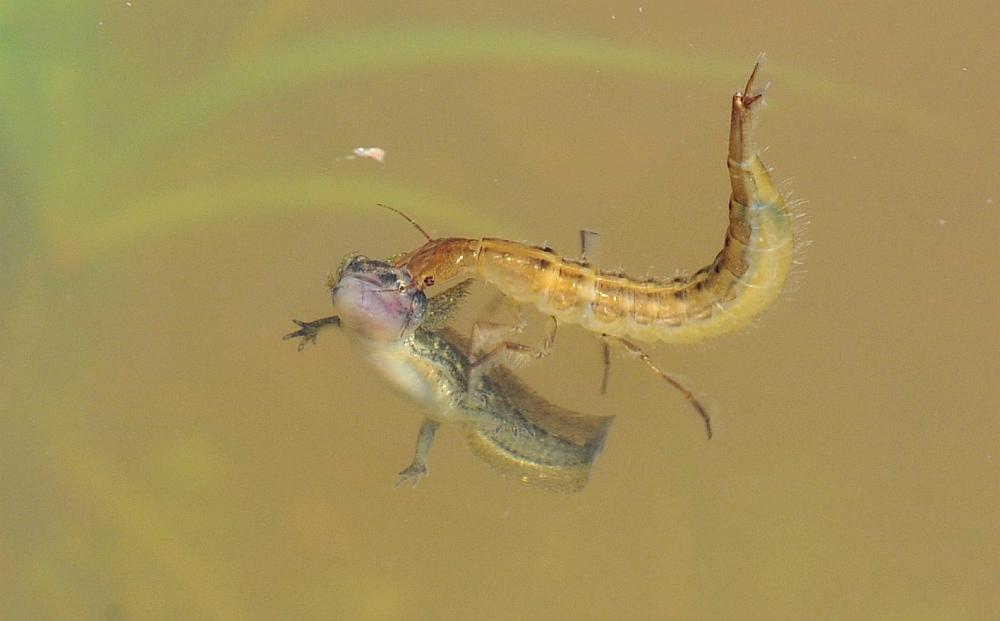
376,299
441,260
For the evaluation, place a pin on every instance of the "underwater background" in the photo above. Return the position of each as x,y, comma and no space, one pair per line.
174,187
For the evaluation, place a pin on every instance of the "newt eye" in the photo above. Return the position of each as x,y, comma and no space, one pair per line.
428,281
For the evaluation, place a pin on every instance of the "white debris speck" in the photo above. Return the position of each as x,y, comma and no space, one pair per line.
942,222
371,153
366,153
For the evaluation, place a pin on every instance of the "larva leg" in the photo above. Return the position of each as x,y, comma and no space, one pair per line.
418,468
589,242
488,349
606,351
486,335
634,351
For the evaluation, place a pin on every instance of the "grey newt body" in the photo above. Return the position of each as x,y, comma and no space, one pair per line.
401,334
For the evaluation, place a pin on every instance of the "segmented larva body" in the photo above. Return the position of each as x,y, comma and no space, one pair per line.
745,277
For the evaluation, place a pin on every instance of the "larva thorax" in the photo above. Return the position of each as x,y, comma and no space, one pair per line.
441,260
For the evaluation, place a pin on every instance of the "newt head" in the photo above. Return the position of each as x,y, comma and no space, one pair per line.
376,299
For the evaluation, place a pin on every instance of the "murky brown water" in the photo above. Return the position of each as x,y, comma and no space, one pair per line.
172,198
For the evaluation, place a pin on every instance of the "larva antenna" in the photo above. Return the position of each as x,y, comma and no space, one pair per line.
408,219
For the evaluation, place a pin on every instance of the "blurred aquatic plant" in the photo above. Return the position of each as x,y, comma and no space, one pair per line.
62,163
